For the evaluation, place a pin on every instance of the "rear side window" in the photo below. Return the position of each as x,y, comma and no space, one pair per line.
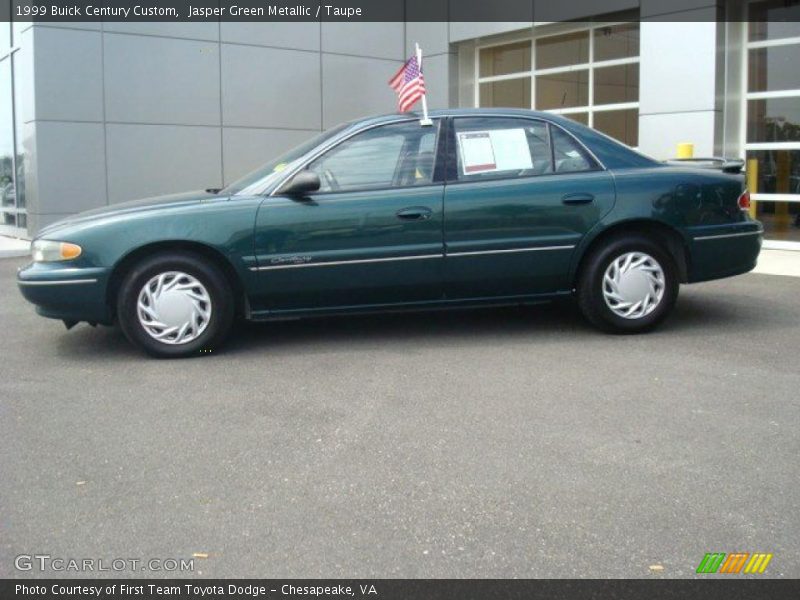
491,148
500,147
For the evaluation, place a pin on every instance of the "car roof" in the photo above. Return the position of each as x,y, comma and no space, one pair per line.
456,112
611,153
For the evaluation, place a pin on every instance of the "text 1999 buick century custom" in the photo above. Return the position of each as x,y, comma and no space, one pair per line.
493,206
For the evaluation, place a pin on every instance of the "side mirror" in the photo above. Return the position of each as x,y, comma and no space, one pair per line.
301,184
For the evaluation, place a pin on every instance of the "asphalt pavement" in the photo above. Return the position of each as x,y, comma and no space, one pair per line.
491,443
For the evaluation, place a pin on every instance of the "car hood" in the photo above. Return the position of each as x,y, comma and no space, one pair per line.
130,207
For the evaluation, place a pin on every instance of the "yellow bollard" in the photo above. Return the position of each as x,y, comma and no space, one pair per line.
685,150
783,220
752,183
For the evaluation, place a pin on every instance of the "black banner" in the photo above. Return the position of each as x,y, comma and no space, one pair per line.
522,11
733,588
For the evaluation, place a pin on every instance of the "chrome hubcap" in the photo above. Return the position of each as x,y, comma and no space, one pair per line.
633,285
174,308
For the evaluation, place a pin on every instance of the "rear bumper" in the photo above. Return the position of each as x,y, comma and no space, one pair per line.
725,250
67,293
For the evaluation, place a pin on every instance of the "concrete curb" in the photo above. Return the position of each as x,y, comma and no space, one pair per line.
778,262
14,247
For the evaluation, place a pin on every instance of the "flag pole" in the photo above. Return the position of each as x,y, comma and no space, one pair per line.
424,121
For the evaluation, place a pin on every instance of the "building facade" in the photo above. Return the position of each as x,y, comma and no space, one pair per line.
98,113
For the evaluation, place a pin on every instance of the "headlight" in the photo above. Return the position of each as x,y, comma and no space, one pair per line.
48,251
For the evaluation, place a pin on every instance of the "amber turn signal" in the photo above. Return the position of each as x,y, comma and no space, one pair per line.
70,251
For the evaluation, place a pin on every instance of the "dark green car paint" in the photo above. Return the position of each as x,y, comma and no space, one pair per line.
518,214
338,228
257,238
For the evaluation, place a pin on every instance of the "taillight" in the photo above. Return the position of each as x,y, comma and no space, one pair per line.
744,200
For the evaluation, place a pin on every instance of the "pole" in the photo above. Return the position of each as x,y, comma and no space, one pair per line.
424,121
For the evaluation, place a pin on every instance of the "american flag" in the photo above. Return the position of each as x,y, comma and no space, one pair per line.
409,84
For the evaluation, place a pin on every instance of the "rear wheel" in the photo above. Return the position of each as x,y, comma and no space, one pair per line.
175,305
629,285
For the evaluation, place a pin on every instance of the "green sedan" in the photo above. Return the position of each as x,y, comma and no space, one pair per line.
483,207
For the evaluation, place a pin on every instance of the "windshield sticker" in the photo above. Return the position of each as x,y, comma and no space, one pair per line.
477,154
494,150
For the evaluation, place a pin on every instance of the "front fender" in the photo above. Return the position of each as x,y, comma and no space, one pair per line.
224,225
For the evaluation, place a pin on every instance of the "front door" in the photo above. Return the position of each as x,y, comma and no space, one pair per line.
521,193
372,234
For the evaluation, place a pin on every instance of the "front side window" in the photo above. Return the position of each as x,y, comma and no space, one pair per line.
397,155
497,148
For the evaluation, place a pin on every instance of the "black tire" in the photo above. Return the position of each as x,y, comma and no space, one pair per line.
216,285
592,302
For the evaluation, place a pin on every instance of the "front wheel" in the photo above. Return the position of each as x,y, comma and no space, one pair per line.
628,285
175,305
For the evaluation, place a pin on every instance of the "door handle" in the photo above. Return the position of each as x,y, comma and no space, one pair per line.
579,198
414,213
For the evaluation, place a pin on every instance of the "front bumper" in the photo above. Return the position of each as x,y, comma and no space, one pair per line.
724,250
66,292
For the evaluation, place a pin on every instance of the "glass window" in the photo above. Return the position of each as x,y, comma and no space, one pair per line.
562,50
396,155
561,76
774,19
773,123
778,171
781,219
568,154
622,125
8,193
491,148
562,90
616,84
774,68
23,106
773,120
510,93
616,41
502,60
772,104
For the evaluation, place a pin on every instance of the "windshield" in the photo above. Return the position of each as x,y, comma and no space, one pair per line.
258,180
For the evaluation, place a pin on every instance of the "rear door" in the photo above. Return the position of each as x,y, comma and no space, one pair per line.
520,195
371,235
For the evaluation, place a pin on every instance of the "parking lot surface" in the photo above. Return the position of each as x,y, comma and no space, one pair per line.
490,443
